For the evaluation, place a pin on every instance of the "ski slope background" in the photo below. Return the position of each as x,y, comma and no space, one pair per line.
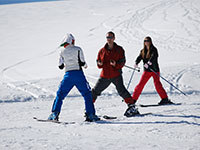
30,33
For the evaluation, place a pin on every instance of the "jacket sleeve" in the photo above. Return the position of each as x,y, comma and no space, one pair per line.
81,58
122,60
99,56
61,62
138,59
154,55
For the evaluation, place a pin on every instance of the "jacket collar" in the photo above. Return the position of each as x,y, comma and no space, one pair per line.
106,46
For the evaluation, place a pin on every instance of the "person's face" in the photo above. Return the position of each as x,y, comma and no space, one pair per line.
147,42
110,38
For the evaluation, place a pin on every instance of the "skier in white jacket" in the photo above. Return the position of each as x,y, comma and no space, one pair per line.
72,59
72,56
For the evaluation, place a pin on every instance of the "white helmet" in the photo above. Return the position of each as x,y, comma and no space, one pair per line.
69,38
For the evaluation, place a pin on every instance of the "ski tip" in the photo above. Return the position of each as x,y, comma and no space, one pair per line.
54,121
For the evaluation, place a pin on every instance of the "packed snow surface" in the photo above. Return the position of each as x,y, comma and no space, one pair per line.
31,32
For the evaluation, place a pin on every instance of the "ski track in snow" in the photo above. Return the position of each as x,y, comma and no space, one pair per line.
27,84
36,91
130,28
175,79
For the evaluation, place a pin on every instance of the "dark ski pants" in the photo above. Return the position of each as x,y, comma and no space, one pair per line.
71,79
103,83
145,77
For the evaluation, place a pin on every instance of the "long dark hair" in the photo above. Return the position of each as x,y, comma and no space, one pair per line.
145,52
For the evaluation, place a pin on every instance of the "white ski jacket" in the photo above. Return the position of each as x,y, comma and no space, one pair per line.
72,58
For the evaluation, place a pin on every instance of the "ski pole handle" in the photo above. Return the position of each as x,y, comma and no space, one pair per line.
136,69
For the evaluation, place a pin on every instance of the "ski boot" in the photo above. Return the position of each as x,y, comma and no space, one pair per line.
91,118
165,101
131,111
54,116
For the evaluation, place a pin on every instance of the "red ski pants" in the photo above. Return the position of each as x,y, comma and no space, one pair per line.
145,77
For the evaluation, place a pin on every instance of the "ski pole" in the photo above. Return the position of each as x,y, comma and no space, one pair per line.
134,69
137,69
168,81
130,79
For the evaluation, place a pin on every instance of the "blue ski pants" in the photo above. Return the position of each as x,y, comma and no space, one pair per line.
71,79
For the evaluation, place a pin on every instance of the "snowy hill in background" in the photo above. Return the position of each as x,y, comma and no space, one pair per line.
30,33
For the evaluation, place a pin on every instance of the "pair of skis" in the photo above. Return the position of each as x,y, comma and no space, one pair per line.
62,122
106,117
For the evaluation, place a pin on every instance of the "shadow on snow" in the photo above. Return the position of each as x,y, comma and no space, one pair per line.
157,122
148,122
179,116
18,99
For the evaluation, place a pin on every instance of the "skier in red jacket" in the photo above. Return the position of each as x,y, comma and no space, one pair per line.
111,59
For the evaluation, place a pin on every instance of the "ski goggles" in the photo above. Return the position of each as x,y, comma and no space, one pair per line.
147,41
109,37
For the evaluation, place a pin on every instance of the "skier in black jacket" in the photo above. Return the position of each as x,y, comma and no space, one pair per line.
149,55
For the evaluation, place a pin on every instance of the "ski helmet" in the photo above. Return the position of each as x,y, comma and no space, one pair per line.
68,39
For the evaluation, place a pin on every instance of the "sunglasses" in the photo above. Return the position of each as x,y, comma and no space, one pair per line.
109,37
147,41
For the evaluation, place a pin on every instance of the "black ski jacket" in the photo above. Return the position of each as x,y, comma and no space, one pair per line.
153,59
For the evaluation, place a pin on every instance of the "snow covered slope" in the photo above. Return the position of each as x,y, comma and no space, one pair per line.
30,33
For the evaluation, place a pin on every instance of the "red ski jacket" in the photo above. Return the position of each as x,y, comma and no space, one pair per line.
106,55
